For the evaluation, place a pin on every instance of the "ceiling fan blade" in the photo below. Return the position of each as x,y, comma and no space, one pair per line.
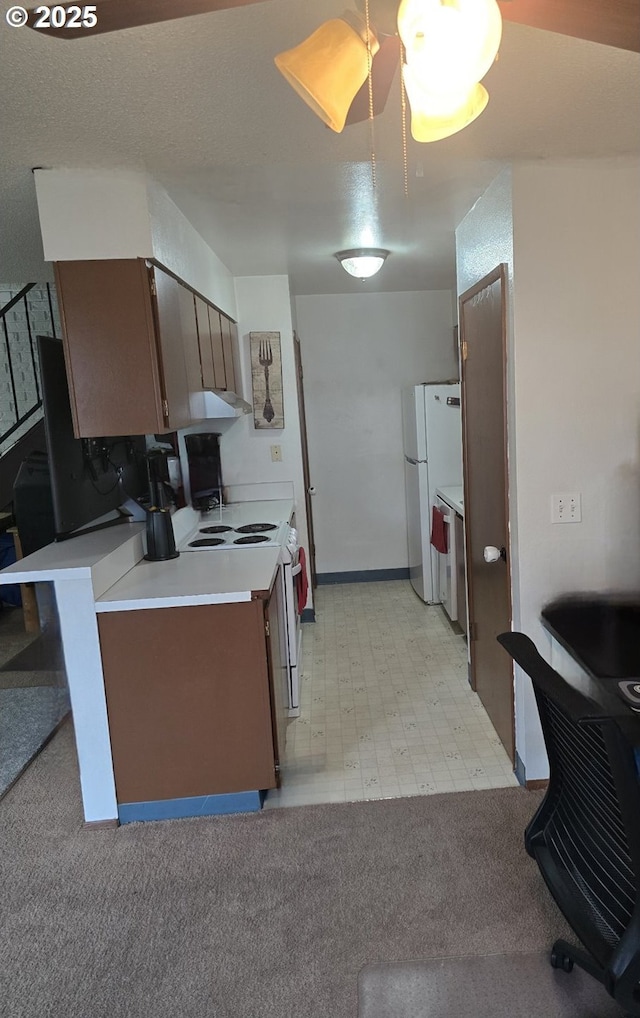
383,68
611,22
115,15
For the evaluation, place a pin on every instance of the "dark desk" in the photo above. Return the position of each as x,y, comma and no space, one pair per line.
602,635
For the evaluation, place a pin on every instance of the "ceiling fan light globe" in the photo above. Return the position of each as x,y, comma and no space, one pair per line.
328,68
433,120
454,42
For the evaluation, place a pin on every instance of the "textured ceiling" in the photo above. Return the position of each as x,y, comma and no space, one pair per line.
199,105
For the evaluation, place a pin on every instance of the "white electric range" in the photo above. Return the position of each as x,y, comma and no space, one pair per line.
237,526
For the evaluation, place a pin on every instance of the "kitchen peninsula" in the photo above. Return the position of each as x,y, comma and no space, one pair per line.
174,668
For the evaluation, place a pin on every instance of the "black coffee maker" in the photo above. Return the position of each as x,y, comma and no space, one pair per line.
205,470
161,542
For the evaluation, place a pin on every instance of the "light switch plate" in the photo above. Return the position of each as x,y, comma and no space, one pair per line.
566,507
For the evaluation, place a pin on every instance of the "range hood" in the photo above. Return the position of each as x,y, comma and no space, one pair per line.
217,403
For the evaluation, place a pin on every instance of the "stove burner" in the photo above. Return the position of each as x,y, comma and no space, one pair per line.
215,530
255,528
252,539
207,542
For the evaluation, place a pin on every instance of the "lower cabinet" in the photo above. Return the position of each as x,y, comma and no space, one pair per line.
192,704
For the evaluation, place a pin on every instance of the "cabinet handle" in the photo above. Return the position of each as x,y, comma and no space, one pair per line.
165,408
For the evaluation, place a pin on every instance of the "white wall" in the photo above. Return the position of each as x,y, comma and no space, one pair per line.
178,246
264,305
575,388
358,351
120,214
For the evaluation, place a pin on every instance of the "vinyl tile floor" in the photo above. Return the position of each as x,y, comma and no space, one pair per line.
386,707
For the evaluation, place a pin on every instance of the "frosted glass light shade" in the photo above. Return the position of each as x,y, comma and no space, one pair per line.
435,116
449,45
362,262
452,42
328,69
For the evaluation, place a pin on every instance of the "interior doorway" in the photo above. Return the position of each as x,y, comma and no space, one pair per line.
305,459
483,380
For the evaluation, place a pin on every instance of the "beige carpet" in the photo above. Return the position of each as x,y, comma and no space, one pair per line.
252,916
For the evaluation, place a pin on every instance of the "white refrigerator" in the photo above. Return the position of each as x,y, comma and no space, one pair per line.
432,433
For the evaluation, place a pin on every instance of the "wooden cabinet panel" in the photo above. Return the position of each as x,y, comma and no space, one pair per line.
110,347
173,366
204,340
274,609
191,344
215,329
188,700
229,333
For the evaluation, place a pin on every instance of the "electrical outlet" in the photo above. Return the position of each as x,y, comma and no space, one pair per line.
566,507
276,453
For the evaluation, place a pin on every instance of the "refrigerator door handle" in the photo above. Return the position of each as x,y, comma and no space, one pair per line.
414,462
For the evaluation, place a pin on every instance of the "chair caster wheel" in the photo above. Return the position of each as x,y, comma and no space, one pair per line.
561,961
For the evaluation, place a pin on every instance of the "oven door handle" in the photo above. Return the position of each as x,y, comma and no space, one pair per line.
296,569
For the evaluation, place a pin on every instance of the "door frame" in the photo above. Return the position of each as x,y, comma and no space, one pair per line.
500,273
304,445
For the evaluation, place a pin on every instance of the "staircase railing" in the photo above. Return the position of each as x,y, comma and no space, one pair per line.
25,397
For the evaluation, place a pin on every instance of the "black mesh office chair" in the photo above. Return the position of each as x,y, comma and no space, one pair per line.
585,836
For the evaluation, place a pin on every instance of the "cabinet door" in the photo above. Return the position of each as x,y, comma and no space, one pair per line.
188,700
229,334
215,328
192,353
110,347
276,647
173,366
204,340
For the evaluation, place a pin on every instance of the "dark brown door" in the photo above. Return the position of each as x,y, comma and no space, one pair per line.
305,460
483,339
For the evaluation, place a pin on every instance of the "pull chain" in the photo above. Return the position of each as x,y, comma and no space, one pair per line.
370,84
403,100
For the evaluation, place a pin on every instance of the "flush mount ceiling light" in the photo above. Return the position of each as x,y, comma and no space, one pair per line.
362,262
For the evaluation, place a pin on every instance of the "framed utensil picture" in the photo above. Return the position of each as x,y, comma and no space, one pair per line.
266,380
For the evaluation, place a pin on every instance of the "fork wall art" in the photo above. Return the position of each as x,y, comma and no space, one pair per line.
266,380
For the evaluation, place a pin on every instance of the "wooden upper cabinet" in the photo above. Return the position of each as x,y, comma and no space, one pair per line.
167,309
204,340
110,347
190,338
123,345
215,328
229,340
140,347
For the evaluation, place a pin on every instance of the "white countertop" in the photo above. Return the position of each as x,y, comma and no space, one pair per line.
216,577
123,580
453,496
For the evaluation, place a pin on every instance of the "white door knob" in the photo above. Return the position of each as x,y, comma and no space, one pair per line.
492,554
